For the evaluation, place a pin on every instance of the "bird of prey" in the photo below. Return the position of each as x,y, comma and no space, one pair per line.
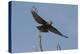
44,25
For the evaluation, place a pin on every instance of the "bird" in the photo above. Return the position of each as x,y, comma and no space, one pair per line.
44,26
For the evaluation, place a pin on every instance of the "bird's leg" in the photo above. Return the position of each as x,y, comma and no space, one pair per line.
40,41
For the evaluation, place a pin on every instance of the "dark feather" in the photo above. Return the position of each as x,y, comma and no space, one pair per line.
54,30
38,18
42,28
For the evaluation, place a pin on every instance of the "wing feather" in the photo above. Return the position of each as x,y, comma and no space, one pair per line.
38,18
54,30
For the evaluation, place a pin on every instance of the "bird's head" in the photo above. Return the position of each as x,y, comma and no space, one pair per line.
50,22
34,9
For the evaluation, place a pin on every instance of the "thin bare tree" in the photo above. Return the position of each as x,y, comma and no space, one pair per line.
40,41
58,46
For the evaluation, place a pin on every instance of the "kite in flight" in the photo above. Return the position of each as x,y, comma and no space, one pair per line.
44,25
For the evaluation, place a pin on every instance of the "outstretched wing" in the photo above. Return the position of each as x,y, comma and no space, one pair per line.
38,18
54,30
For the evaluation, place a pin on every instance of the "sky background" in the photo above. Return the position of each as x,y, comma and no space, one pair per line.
25,34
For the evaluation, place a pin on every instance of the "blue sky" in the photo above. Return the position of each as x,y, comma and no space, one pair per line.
25,33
